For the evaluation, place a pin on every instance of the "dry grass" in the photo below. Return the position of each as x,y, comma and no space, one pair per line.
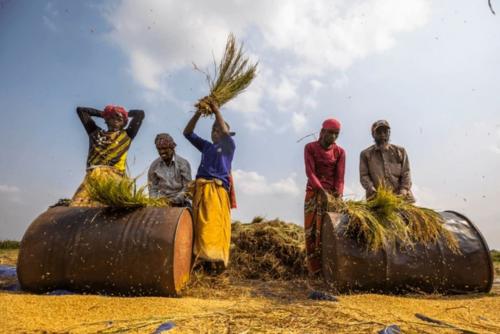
8,256
233,305
121,193
247,307
233,74
267,250
387,219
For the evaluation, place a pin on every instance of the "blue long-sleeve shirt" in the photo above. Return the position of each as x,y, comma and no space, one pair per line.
216,159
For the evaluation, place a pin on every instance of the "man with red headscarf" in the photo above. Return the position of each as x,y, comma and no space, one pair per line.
325,168
107,148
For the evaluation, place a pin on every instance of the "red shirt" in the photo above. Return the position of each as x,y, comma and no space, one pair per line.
325,169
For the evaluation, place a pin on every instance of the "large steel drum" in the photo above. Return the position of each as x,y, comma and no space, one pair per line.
142,252
426,268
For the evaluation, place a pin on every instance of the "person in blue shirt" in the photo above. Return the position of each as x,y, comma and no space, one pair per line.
211,199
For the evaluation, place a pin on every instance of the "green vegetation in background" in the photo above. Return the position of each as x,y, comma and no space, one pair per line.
495,255
9,244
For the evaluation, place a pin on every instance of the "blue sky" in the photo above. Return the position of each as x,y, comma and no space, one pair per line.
430,68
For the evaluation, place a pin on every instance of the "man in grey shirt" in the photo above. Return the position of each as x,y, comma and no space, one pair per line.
170,174
385,164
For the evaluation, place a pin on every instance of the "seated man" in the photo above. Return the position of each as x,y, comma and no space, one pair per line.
325,167
170,174
107,149
385,164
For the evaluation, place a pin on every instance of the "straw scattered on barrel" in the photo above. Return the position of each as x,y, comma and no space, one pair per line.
387,219
121,192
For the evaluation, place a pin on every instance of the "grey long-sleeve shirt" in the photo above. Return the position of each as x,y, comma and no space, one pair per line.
171,180
389,166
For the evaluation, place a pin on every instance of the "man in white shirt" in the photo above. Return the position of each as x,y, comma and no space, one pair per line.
170,174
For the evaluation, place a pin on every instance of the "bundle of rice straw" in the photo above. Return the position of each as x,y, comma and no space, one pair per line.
231,77
121,193
267,250
387,219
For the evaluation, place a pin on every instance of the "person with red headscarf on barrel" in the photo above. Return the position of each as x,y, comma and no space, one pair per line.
325,169
107,148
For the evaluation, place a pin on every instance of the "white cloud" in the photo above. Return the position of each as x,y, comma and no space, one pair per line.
10,194
249,101
49,23
302,47
145,69
481,132
51,14
257,196
304,37
340,82
299,121
495,149
4,188
331,35
354,191
254,184
284,93
310,103
49,8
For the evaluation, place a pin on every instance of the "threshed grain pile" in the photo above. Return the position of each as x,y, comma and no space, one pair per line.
267,250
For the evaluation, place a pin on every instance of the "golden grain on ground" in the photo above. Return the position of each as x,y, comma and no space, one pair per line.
254,307
231,304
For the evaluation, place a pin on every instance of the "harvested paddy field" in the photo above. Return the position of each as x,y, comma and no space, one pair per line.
246,306
240,301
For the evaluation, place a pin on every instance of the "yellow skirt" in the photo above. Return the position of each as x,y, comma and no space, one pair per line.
212,221
82,197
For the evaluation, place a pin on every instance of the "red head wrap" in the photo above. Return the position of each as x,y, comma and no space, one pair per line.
110,110
331,124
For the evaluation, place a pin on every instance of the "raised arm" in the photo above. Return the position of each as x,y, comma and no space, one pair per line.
192,123
219,119
85,115
135,123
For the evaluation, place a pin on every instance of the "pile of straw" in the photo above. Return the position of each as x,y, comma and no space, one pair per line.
267,250
121,193
231,77
387,219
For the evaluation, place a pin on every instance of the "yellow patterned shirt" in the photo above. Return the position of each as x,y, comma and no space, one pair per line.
108,149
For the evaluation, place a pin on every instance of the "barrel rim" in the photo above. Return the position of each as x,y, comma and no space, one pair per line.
485,245
181,212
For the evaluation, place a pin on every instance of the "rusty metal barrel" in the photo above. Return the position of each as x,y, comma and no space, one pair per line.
141,252
348,266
